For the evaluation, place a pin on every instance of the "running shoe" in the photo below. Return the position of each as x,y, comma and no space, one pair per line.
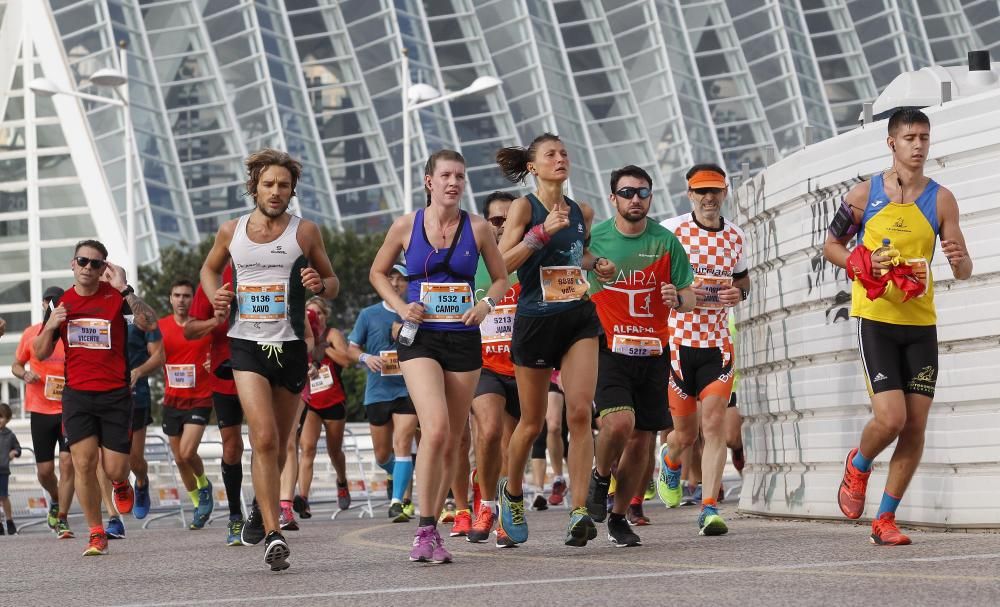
343,499
502,540
396,513
306,509
581,528
620,534
63,531
539,503
448,513
409,509
739,460
635,516
668,485
98,545
123,495
115,529
142,503
298,504
692,498
512,519
886,533
206,503
477,495
440,553
276,551
253,528
650,490
481,529
558,492
11,527
710,523
53,518
851,496
235,531
597,496
462,525
423,544
286,519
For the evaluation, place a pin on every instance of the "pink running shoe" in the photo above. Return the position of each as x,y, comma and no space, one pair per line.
440,554
424,542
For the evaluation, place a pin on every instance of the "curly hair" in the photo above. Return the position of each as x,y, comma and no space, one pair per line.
261,159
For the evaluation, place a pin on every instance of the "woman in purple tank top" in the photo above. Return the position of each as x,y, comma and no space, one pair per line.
442,244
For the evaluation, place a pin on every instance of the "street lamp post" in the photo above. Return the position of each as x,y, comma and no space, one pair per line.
418,96
118,81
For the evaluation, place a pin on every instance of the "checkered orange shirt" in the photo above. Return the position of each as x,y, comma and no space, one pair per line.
713,253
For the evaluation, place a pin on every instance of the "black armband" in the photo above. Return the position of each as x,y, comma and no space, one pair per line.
843,225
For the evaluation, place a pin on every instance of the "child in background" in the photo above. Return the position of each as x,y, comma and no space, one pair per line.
9,449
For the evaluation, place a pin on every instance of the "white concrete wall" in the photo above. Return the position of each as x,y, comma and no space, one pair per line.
802,390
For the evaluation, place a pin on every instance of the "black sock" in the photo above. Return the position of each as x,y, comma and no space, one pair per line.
514,498
341,483
427,520
598,476
614,516
232,478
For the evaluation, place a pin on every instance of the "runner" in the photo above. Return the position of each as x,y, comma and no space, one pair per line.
390,412
187,399
277,257
205,320
701,351
654,277
44,383
145,357
556,325
893,298
325,405
90,319
442,245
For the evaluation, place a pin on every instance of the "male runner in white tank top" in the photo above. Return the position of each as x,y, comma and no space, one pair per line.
277,258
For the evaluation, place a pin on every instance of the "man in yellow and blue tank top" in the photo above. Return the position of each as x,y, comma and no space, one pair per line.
897,215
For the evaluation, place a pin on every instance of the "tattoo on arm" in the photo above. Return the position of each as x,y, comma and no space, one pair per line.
145,317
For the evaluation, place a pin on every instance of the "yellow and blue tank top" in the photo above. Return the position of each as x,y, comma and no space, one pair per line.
912,228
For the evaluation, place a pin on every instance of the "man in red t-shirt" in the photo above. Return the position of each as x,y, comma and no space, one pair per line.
44,382
228,411
91,321
187,399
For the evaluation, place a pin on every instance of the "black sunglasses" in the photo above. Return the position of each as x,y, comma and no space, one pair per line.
97,264
706,191
497,221
628,193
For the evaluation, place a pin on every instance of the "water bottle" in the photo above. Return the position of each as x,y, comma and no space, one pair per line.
883,250
409,332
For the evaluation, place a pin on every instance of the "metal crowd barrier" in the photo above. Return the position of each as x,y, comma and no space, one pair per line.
166,501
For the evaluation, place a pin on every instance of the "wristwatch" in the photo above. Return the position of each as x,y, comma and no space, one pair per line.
128,290
489,301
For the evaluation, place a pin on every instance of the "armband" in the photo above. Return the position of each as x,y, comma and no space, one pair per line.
536,238
843,225
744,294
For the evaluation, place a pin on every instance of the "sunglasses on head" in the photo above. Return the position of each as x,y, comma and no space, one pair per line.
97,264
706,191
497,221
628,193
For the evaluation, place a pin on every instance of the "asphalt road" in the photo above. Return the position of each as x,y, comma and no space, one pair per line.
354,561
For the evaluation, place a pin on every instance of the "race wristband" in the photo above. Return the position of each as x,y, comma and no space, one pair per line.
536,238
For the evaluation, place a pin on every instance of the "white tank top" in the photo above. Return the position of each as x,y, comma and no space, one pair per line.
270,300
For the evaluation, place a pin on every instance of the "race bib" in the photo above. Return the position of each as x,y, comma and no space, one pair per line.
323,380
563,283
445,301
54,385
90,333
712,284
180,376
630,345
498,324
919,265
390,363
262,303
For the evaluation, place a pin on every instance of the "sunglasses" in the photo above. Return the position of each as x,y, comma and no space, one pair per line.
497,221
628,193
706,191
97,264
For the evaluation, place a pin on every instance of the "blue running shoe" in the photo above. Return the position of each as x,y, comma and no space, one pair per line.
581,527
206,503
710,523
115,529
141,508
512,519
235,530
668,484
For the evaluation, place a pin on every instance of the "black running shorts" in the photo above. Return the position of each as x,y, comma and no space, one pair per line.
540,342
380,414
491,382
286,367
106,415
46,433
174,420
455,351
141,417
228,411
898,357
337,411
637,384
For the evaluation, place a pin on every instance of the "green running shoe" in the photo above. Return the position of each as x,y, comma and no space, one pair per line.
235,529
53,518
409,509
668,485
581,528
650,490
710,523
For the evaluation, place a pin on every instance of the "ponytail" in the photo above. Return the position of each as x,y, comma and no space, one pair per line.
513,161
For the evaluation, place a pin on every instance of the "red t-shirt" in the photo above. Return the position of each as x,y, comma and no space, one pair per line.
188,384
327,389
45,395
94,337
202,309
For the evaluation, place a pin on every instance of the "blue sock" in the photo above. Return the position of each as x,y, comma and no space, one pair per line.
388,464
889,504
861,462
402,472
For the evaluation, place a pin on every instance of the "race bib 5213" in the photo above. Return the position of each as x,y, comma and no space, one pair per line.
262,302
498,325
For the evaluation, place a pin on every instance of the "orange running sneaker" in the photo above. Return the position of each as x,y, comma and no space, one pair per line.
124,496
98,545
463,523
886,533
851,497
482,527
502,540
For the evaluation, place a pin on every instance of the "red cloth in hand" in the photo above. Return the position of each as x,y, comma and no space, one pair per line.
859,267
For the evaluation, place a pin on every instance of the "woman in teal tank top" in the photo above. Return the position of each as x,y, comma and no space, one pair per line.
556,325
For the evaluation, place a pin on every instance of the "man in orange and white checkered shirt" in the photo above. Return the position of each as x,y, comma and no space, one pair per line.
701,350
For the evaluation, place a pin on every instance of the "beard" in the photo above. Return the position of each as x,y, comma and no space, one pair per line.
633,216
268,212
